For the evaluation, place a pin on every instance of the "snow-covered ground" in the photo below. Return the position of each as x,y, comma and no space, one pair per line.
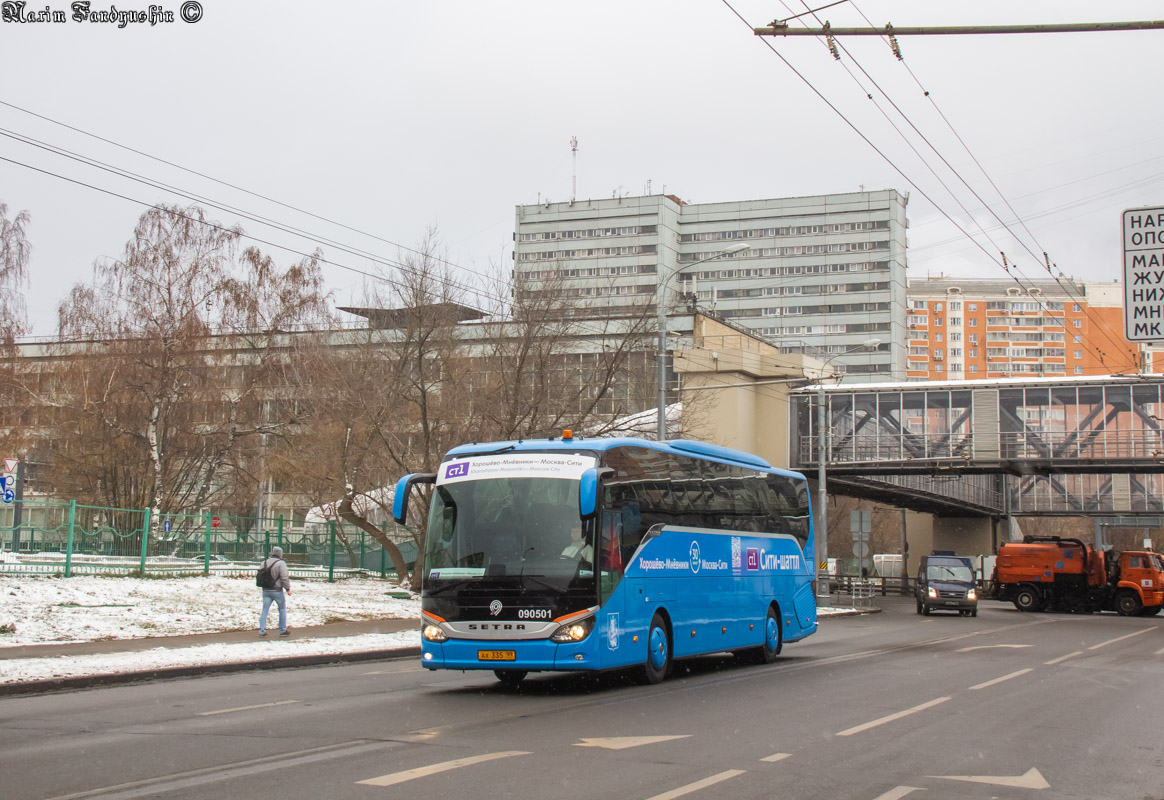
84,608
41,610
35,610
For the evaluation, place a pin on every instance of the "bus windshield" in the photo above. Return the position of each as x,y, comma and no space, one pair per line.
498,517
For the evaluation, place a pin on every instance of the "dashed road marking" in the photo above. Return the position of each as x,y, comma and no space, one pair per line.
394,778
1031,779
776,757
1063,658
1120,638
695,787
1000,680
245,708
624,742
892,717
990,647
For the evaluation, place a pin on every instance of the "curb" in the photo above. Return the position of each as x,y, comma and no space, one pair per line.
849,612
169,673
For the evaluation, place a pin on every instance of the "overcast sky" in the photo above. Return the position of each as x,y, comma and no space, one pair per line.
393,117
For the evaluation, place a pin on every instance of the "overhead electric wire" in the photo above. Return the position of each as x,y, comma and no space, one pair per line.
1102,326
1002,264
585,326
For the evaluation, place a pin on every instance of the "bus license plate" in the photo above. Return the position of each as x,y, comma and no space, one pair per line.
496,655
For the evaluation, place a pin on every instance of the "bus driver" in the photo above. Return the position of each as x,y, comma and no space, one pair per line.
578,548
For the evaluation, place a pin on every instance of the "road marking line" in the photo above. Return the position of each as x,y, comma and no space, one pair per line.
898,792
152,787
1119,638
892,717
1000,680
1063,658
695,787
990,647
245,708
432,769
1159,652
772,759
623,742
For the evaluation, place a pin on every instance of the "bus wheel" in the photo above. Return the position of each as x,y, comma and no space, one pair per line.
773,637
1128,604
658,662
510,678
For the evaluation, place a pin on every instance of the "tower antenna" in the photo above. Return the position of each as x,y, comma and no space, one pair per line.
574,180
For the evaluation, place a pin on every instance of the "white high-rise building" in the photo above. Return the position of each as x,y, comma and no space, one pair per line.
820,275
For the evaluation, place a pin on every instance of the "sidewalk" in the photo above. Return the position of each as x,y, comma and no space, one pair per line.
108,659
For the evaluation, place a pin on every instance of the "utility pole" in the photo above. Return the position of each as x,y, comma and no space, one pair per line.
780,27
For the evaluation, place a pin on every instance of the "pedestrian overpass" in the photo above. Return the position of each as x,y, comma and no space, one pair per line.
1021,446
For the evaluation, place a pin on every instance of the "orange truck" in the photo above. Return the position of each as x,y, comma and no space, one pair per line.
1055,574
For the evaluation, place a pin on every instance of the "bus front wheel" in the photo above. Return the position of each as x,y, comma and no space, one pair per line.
658,662
510,678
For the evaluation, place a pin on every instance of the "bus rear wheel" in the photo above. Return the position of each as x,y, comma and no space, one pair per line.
658,663
773,642
510,678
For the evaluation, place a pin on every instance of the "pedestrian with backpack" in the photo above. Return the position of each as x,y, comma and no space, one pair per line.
275,580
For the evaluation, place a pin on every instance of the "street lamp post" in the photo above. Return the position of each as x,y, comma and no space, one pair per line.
822,456
662,324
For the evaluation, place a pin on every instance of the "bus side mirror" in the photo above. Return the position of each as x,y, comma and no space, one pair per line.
403,489
588,491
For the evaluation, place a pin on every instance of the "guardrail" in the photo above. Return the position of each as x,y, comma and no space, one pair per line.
66,539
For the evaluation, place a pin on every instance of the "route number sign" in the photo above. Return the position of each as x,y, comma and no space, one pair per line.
1144,274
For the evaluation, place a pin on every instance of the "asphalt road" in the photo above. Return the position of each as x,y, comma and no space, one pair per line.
877,707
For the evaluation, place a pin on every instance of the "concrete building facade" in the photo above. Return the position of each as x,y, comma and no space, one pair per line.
819,275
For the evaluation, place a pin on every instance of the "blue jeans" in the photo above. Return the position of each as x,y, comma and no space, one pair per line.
277,597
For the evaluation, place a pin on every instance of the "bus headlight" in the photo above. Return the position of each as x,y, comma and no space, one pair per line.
433,633
971,595
573,631
933,592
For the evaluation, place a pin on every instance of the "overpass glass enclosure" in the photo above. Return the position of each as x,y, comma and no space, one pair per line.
1084,446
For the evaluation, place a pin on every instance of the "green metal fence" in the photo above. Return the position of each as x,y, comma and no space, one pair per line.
68,538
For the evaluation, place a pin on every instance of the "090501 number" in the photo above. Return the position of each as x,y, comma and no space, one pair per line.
533,613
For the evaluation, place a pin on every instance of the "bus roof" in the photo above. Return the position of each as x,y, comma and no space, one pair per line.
688,447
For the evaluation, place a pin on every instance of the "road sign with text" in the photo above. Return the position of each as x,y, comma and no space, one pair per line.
1144,274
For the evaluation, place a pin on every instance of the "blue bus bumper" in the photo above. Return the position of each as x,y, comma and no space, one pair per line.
541,654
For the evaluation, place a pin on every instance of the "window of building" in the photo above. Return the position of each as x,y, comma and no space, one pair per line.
937,321
937,337
937,367
973,338
1079,354
955,352
973,353
917,303
1078,371
1077,339
955,320
1076,323
1076,308
956,305
973,323
937,306
971,306
971,368
955,337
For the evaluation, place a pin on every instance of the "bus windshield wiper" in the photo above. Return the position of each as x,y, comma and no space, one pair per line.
537,579
446,587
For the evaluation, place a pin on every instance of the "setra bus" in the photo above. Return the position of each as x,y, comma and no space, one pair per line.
596,554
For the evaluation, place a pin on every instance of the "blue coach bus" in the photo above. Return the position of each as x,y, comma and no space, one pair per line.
596,554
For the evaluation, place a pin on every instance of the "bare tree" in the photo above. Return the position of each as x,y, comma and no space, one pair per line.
15,252
393,400
166,360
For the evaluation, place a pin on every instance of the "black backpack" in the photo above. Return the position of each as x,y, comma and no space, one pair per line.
265,577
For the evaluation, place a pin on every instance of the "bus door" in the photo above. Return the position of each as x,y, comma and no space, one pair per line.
613,636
